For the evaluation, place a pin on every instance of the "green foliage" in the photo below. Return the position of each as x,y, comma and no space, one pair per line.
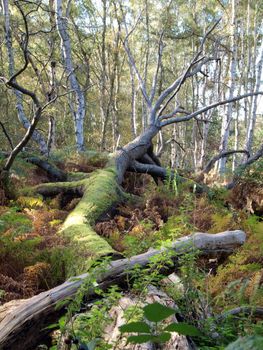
14,221
171,181
30,202
156,312
222,222
154,331
176,226
141,238
247,343
87,327
183,328
252,174
20,249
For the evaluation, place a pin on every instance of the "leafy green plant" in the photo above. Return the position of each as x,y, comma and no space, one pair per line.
171,181
153,329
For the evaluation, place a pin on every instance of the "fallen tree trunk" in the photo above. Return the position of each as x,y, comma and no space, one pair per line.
99,193
23,326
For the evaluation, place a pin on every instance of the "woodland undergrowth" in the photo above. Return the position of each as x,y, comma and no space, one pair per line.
33,255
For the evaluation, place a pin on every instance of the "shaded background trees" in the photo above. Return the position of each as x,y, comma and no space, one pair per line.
77,57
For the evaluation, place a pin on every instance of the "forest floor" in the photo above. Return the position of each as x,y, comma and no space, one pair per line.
31,247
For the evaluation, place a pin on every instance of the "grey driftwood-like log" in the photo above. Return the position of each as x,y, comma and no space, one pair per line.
24,326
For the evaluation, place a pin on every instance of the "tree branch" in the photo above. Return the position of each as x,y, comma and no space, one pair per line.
213,160
132,60
159,60
207,108
243,166
175,85
178,83
6,135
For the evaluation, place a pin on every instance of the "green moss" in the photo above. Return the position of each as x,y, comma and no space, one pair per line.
69,154
18,222
30,202
55,222
77,176
101,192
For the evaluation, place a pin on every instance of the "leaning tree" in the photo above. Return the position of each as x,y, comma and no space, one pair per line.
101,190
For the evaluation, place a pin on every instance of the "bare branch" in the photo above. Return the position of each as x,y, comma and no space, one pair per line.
159,60
207,108
177,110
132,60
243,166
24,140
175,84
254,311
25,44
178,83
7,135
213,160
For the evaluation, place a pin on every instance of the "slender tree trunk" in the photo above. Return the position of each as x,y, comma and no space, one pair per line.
51,134
133,103
103,102
228,118
252,121
79,112
203,144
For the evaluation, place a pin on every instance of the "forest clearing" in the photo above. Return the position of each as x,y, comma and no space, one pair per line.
131,185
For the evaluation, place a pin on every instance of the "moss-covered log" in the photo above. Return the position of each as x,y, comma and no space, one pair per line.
99,193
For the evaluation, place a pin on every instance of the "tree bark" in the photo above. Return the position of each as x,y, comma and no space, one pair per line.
228,118
78,112
252,120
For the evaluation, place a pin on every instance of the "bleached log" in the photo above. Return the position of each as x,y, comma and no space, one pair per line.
23,327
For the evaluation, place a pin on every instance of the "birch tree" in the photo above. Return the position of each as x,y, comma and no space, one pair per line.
252,120
226,122
78,105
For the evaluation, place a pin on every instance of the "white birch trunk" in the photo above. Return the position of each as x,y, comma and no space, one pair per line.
133,103
252,121
228,118
79,111
51,134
